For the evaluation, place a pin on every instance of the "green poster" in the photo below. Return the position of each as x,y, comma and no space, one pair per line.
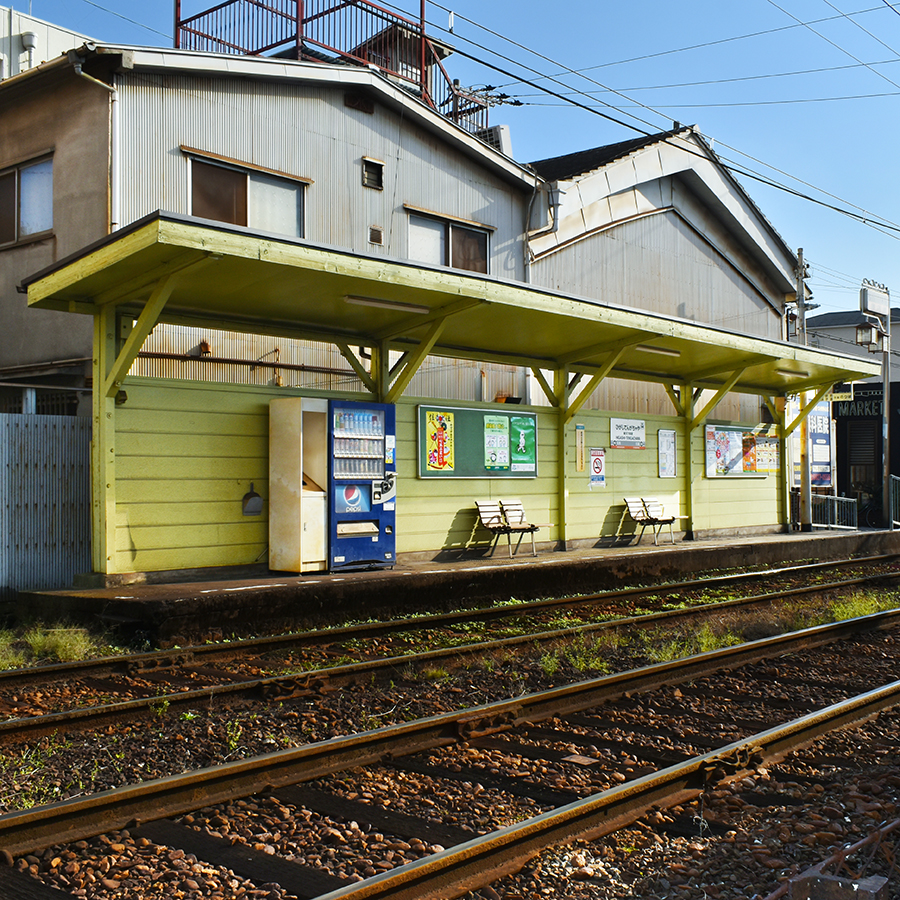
523,444
496,443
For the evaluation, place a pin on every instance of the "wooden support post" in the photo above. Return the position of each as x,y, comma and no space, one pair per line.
103,457
780,417
561,396
381,370
688,427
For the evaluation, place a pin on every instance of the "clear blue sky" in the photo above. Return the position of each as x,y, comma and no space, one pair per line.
809,87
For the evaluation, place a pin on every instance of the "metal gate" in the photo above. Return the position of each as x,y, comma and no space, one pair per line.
45,501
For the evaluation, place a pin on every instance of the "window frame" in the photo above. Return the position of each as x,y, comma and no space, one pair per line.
451,224
15,170
249,171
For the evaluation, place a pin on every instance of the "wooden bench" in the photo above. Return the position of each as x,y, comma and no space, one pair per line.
648,512
505,517
518,523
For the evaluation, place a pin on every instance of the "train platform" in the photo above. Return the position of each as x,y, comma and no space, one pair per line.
214,604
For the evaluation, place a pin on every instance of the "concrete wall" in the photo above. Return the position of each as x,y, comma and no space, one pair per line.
69,121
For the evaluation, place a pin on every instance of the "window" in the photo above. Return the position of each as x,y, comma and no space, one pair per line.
446,243
26,201
262,202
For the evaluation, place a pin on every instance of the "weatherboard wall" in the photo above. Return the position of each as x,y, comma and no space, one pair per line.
187,452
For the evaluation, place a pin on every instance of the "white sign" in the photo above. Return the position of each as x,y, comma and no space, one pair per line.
598,467
875,298
666,453
627,434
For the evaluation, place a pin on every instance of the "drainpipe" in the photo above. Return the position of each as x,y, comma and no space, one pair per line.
114,168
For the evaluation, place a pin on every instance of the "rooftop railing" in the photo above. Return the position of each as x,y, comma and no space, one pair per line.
350,32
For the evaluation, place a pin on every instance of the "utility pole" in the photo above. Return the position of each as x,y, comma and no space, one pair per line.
805,483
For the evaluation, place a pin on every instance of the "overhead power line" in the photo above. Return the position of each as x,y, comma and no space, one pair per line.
880,223
126,19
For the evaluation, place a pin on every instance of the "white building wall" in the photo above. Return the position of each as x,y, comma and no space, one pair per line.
16,52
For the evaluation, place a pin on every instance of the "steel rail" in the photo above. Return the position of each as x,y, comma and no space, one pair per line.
483,860
79,818
143,663
138,663
314,681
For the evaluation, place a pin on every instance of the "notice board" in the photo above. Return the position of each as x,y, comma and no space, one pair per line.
456,442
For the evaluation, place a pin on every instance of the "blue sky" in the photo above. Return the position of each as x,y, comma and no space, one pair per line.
805,92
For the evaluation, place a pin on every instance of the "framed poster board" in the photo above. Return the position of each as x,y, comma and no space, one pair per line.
667,468
734,452
455,442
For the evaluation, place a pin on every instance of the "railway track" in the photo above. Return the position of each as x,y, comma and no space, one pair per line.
577,761
174,682
188,678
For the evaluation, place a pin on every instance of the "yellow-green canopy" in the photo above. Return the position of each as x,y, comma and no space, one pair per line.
203,272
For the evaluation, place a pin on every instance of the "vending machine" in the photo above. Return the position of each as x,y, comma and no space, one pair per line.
362,486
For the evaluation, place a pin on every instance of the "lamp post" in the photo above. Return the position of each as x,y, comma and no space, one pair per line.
875,305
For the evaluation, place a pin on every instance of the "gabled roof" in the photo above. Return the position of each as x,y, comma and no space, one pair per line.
608,172
562,168
844,319
101,60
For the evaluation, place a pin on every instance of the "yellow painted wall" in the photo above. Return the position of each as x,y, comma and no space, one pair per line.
187,452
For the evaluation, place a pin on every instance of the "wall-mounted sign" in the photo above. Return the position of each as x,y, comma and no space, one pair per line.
627,434
598,467
579,448
666,453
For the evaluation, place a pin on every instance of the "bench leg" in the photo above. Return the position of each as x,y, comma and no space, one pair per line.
533,551
641,537
671,533
509,543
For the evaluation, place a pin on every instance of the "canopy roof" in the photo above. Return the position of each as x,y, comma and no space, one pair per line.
231,277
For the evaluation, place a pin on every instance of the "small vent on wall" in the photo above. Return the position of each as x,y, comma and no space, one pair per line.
373,173
376,234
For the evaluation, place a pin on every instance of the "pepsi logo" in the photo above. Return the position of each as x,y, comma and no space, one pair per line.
352,495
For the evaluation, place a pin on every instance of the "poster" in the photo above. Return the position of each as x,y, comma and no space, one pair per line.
496,442
523,450
733,451
598,467
666,453
439,440
627,434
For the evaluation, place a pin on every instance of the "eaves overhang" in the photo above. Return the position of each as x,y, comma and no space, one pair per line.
233,278
352,78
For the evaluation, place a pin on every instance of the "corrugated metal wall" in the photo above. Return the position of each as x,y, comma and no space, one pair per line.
233,358
308,132
45,507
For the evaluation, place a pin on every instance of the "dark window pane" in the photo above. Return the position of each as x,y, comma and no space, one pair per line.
469,249
218,193
7,208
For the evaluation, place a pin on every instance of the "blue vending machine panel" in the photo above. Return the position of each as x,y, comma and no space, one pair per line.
362,485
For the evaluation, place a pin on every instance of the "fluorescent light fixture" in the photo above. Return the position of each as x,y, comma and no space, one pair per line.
789,373
662,351
388,304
